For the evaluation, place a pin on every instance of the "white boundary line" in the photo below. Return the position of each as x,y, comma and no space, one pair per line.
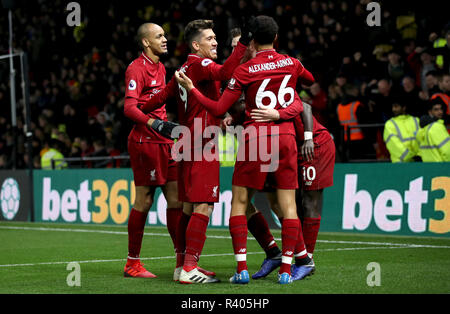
382,247
220,237
173,257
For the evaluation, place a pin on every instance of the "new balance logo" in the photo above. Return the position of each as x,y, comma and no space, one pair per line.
242,250
288,253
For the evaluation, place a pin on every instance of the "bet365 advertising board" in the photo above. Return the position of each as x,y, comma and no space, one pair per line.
402,199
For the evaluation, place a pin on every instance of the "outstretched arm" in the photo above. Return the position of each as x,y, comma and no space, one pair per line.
158,100
216,108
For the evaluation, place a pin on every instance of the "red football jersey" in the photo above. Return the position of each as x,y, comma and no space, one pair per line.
269,81
320,133
206,76
144,79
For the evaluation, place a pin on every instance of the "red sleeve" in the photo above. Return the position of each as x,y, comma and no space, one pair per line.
306,78
217,72
293,110
158,100
134,83
216,108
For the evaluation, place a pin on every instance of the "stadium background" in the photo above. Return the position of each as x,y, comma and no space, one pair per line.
77,89
77,73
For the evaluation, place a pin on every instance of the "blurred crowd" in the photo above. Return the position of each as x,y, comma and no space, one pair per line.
77,73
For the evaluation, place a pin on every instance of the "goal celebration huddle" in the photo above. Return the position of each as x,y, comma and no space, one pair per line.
275,123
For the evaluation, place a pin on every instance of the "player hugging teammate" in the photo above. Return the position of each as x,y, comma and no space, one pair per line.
275,118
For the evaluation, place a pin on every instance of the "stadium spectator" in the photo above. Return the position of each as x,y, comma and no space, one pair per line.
433,138
410,95
351,112
444,91
400,134
53,153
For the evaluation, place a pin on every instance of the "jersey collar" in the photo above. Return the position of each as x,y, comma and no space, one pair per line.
147,58
266,50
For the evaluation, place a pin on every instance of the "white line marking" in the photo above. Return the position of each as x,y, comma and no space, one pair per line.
173,257
220,237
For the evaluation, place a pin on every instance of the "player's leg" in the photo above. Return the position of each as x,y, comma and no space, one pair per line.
195,240
261,232
259,228
312,213
136,225
290,229
174,208
239,231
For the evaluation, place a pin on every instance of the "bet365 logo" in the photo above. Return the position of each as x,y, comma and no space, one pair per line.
394,210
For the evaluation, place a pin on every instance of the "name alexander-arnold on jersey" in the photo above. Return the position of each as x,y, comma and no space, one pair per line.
270,65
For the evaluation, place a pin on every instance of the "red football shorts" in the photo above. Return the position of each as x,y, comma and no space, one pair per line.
198,181
318,173
152,163
282,172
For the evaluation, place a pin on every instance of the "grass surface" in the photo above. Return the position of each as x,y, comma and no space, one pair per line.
34,259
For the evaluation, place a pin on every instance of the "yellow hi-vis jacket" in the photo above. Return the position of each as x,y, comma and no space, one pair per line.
434,142
46,160
400,137
228,146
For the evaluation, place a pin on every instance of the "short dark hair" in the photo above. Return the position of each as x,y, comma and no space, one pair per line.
235,32
266,29
194,28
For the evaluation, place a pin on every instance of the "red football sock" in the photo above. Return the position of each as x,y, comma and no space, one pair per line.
300,249
310,231
136,224
181,238
239,232
259,228
289,235
172,217
195,239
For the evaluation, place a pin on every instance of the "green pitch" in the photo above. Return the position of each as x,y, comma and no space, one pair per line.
34,258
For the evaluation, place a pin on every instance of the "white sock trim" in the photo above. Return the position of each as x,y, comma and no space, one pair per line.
286,259
240,257
301,253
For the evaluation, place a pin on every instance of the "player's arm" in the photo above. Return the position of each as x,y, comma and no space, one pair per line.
307,149
158,100
216,108
305,77
288,113
224,72
134,87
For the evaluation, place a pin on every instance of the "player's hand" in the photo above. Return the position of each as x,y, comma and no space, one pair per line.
248,28
162,127
265,115
184,80
227,121
307,150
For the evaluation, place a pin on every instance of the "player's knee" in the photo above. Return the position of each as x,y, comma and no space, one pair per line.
143,204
